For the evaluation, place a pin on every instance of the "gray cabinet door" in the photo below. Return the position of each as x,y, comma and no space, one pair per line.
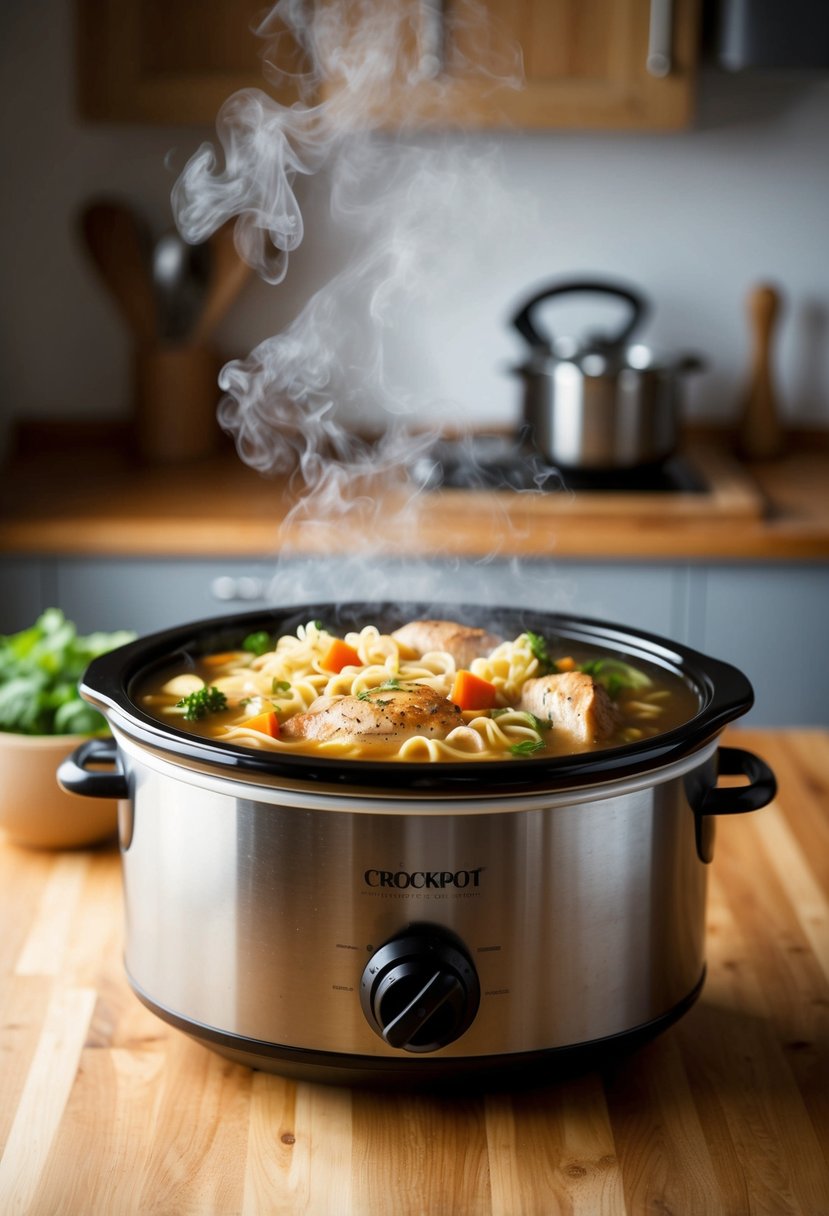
148,595
773,623
26,588
110,593
641,596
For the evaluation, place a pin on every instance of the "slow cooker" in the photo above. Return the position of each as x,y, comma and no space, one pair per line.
415,923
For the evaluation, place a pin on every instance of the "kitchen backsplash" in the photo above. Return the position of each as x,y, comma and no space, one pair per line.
694,219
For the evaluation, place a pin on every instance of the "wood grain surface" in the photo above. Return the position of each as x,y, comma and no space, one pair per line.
105,1109
100,503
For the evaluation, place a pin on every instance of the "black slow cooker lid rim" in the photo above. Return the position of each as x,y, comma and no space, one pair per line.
513,776
724,691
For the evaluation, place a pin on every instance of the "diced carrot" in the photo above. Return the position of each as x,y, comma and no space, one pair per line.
567,664
221,660
471,692
267,723
339,655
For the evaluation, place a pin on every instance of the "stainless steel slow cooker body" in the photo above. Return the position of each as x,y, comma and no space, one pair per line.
414,923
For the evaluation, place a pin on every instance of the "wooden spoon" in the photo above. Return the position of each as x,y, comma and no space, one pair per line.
228,275
116,244
760,435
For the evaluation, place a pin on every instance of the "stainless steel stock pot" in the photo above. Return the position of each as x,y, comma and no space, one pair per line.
415,924
599,404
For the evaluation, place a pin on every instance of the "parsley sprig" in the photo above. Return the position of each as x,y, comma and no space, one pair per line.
392,684
196,705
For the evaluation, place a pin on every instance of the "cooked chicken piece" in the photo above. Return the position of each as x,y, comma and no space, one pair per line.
573,702
390,714
461,641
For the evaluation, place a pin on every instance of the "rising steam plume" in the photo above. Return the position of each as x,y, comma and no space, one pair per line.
291,405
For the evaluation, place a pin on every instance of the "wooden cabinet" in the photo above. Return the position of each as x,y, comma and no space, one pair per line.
165,61
576,64
585,62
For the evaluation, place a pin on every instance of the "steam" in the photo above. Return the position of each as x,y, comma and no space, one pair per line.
298,404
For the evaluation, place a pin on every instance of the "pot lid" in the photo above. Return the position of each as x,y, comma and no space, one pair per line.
594,360
595,353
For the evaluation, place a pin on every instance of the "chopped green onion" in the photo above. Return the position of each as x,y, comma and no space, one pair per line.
280,686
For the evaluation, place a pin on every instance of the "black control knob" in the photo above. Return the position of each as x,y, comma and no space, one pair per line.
420,991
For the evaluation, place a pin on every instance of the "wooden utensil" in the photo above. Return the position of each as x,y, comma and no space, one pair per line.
116,244
176,394
228,275
760,434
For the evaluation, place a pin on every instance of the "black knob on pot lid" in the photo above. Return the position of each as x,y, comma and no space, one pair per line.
420,991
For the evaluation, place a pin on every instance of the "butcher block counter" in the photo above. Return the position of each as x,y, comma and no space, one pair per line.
105,1109
64,499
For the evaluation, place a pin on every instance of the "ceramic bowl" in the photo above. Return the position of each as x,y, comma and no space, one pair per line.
34,810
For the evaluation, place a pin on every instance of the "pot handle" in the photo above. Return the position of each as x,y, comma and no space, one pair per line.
76,778
736,799
523,319
731,800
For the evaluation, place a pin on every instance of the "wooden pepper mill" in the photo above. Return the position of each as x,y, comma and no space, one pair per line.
760,435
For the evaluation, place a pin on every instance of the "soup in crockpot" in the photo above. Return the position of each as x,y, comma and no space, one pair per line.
432,690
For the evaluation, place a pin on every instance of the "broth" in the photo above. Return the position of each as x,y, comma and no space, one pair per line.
388,702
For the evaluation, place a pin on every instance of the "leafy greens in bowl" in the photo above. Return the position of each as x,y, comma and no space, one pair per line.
40,669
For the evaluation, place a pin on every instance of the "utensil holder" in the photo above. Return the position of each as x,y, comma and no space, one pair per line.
176,394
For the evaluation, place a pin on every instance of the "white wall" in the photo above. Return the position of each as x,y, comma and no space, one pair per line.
693,218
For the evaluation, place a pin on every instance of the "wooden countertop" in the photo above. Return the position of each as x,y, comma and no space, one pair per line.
105,1109
98,503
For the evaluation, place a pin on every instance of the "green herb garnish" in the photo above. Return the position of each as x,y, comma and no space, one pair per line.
40,669
257,643
527,747
616,677
203,701
538,723
541,652
392,685
280,686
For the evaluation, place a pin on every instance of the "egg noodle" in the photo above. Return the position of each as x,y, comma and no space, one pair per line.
288,678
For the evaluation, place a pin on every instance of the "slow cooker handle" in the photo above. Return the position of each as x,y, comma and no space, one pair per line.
76,778
732,800
523,319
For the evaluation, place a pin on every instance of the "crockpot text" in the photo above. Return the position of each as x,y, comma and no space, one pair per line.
420,880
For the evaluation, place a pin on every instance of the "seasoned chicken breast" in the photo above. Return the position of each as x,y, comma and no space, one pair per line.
573,702
461,641
390,715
